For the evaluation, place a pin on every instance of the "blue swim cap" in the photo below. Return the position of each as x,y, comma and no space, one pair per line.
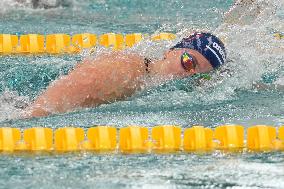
206,44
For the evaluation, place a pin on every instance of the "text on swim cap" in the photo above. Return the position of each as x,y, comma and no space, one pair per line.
220,50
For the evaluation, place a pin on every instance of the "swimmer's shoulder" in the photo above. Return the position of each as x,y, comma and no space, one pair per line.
119,56
116,60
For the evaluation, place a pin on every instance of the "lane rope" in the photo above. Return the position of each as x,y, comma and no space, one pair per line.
67,44
138,139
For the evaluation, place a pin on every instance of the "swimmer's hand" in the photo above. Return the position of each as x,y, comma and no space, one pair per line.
34,112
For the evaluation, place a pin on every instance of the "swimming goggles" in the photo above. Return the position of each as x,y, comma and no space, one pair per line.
188,62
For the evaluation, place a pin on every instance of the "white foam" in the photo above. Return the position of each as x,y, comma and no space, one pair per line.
12,105
252,49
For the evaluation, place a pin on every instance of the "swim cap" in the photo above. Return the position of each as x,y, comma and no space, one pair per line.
206,44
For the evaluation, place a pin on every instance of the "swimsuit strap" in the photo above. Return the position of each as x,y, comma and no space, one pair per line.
147,61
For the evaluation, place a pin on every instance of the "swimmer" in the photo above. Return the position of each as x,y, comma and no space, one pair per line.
116,75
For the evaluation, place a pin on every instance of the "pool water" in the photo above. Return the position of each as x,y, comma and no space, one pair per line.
255,56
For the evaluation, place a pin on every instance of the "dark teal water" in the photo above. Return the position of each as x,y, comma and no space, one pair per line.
148,171
254,56
119,16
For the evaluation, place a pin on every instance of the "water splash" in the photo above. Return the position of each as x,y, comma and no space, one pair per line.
253,53
12,105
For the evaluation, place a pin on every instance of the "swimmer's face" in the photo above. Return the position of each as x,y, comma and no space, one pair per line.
173,64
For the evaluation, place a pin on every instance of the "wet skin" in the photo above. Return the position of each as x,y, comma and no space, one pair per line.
110,77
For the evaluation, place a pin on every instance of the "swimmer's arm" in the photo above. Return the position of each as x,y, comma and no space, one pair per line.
90,84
